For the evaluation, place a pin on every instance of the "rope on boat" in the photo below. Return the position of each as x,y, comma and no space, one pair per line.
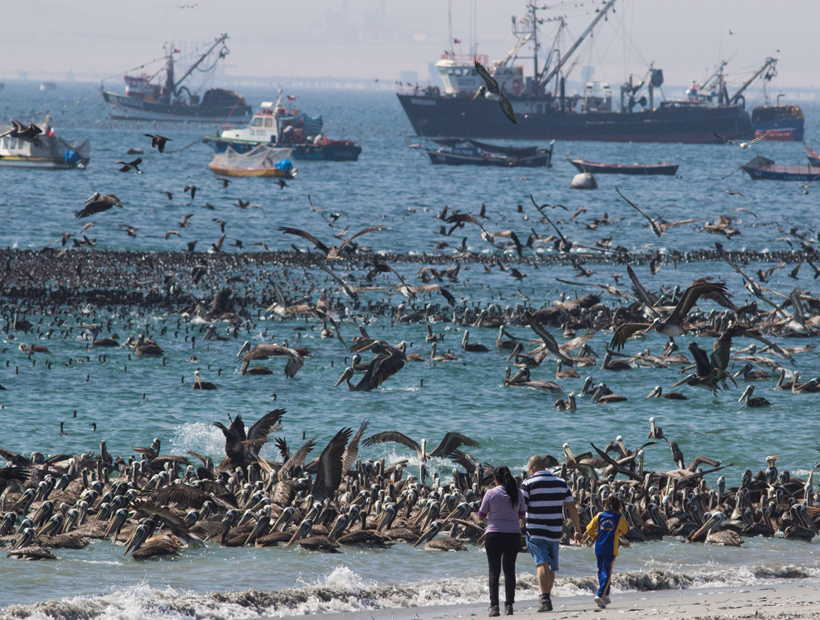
197,141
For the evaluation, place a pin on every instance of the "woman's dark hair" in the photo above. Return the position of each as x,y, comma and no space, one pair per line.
502,475
613,503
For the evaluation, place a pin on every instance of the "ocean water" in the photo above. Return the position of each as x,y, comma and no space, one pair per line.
132,401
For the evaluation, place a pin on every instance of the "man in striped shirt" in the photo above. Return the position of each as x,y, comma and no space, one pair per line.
545,497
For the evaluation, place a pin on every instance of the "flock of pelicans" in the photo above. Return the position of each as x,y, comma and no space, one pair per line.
159,504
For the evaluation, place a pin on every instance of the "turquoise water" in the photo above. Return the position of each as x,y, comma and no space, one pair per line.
131,401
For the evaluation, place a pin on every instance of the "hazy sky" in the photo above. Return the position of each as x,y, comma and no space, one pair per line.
381,38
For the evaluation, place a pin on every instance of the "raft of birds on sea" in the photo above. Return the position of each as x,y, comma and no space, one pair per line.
157,504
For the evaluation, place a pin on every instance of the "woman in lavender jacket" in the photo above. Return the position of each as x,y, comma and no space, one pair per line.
503,507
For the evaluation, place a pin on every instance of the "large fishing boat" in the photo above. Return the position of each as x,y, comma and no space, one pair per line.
45,150
544,111
150,98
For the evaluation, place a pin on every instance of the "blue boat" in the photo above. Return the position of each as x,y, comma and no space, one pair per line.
284,127
764,169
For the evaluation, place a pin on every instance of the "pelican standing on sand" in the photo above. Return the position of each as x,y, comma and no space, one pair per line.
492,92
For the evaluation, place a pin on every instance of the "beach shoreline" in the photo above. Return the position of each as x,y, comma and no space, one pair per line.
766,601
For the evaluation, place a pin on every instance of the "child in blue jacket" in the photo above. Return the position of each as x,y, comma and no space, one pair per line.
605,529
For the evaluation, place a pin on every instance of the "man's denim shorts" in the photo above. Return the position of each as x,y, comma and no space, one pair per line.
543,551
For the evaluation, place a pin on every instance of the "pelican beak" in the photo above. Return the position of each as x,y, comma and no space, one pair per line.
682,381
303,529
653,393
428,533
345,375
743,396
478,93
712,520
115,522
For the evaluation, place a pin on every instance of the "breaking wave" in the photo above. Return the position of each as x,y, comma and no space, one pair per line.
343,590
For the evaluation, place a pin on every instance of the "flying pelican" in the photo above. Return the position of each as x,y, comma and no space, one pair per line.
264,351
672,325
744,145
451,441
749,401
492,92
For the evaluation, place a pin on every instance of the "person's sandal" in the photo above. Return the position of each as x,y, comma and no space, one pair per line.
494,611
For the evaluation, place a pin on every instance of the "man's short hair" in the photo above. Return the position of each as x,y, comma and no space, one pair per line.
536,463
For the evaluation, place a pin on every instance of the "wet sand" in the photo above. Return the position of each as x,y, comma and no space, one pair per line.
778,601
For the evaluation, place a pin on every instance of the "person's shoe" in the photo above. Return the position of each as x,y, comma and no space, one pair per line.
508,610
494,611
546,603
606,599
600,602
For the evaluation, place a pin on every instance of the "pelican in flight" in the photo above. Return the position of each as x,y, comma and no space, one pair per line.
492,92
744,145
264,351
451,441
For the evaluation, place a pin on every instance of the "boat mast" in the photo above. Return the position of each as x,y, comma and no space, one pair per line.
770,62
578,42
450,27
534,51
199,61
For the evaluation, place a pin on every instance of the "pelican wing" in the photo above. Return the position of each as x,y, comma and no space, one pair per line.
625,332
330,472
667,225
95,206
265,424
183,495
704,365
392,436
727,140
492,85
435,288
550,344
305,235
352,450
646,298
508,109
460,218
722,349
382,368
690,297
363,231
655,228
174,522
465,460
298,459
263,351
345,286
453,441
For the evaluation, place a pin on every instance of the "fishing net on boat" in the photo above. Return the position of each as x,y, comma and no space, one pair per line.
262,156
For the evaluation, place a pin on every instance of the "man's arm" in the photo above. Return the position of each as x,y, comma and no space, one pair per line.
576,521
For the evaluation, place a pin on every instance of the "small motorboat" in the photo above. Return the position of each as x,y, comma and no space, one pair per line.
466,151
263,161
635,169
45,150
764,169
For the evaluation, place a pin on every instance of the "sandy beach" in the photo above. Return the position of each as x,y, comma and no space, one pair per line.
798,600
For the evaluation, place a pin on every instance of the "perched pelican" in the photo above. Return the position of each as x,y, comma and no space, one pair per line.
472,348
568,373
752,375
599,398
444,357
715,535
35,348
655,432
657,392
522,379
492,92
438,544
146,346
757,401
566,405
199,384
616,365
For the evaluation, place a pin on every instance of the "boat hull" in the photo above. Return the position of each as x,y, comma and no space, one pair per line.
637,170
251,172
130,109
335,150
433,116
47,152
783,173
454,159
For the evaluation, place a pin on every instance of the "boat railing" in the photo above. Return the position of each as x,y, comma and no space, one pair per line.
470,59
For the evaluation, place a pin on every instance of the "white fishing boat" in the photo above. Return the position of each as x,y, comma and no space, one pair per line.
46,150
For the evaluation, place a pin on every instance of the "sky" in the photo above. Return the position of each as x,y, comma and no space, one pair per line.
381,38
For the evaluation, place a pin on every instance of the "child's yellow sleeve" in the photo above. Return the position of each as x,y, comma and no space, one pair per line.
623,528
592,528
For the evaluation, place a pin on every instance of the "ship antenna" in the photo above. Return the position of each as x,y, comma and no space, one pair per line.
535,50
450,27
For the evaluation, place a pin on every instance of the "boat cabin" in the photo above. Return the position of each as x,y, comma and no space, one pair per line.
277,124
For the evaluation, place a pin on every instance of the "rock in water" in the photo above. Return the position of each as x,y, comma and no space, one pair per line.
584,180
